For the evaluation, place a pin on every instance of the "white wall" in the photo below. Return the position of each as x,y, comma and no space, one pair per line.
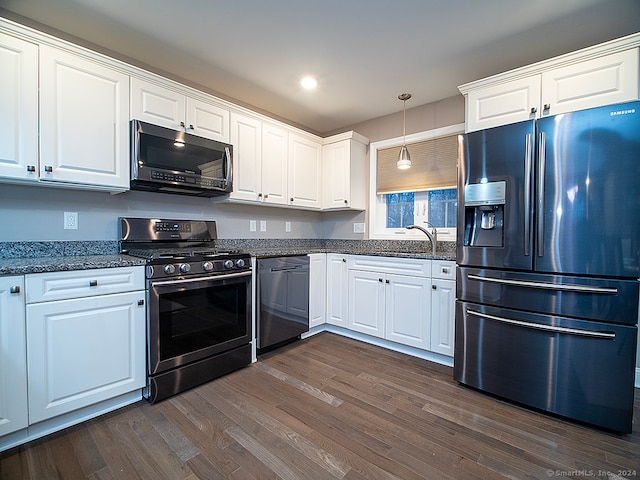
32,213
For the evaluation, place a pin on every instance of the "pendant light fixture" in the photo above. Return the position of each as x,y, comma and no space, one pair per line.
404,159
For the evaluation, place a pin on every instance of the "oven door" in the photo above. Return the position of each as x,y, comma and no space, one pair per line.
195,318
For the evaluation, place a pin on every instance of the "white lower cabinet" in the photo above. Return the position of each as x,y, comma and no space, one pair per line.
337,290
83,349
443,303
13,358
408,311
366,302
317,282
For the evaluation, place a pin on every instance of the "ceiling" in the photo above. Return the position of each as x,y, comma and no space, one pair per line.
364,53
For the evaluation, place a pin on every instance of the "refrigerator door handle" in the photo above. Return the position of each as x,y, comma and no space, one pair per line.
528,157
547,328
542,158
548,286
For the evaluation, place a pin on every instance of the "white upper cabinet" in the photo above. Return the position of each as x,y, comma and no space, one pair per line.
246,138
84,121
344,172
18,108
601,81
305,171
275,159
601,75
169,108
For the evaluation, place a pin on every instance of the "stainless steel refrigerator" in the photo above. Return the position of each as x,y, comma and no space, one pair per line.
548,249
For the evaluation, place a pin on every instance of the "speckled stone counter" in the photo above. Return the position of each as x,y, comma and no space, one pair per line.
20,258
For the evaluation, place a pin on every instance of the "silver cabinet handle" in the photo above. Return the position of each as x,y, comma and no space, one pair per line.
546,328
548,286
14,289
228,175
93,283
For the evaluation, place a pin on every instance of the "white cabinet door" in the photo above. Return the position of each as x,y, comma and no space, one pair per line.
336,175
305,162
337,290
592,83
207,120
317,283
275,156
13,356
158,105
83,351
408,310
246,138
443,301
84,121
509,102
18,108
367,302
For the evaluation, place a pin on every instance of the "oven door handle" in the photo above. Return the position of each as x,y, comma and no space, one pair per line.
200,279
547,328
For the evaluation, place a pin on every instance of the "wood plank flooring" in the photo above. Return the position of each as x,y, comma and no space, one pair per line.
328,407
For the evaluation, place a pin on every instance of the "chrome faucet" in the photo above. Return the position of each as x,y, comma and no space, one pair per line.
433,237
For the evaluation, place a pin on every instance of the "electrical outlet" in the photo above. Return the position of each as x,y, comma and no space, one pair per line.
287,226
358,228
70,220
263,225
252,225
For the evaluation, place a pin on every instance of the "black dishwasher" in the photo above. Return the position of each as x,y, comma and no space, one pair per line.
283,300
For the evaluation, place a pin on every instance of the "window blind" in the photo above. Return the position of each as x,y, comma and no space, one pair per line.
433,166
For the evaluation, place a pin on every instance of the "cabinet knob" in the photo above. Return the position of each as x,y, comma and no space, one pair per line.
48,168
15,289
191,127
140,302
291,199
182,124
386,281
533,110
93,283
31,168
344,260
346,201
380,280
266,195
259,195
445,269
547,107
433,287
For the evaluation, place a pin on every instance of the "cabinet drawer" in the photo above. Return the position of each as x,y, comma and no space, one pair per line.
407,266
444,269
45,287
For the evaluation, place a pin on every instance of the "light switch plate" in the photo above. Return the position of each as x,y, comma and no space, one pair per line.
70,220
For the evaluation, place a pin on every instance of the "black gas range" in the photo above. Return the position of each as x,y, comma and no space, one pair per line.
198,302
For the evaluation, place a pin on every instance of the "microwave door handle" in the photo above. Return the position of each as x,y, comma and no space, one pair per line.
228,171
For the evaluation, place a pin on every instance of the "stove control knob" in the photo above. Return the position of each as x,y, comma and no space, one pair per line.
228,264
185,267
207,266
169,269
240,263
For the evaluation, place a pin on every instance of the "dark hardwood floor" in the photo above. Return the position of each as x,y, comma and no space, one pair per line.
329,407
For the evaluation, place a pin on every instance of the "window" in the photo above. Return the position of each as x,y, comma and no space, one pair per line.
434,202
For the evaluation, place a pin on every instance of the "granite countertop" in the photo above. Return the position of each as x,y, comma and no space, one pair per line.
21,258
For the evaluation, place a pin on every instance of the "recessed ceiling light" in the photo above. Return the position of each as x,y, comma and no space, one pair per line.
309,83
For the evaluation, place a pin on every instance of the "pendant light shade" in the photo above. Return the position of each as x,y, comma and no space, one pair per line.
404,159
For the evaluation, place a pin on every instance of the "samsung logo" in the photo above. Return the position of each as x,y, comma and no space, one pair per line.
622,112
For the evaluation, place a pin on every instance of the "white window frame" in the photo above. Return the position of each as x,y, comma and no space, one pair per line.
377,205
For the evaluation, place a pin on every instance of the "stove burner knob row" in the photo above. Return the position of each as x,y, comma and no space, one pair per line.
207,266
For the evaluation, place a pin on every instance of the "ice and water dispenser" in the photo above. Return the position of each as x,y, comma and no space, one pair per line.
484,214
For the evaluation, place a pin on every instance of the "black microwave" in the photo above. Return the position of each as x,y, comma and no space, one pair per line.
172,161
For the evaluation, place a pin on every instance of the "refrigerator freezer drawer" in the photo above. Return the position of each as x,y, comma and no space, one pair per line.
578,369
605,300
